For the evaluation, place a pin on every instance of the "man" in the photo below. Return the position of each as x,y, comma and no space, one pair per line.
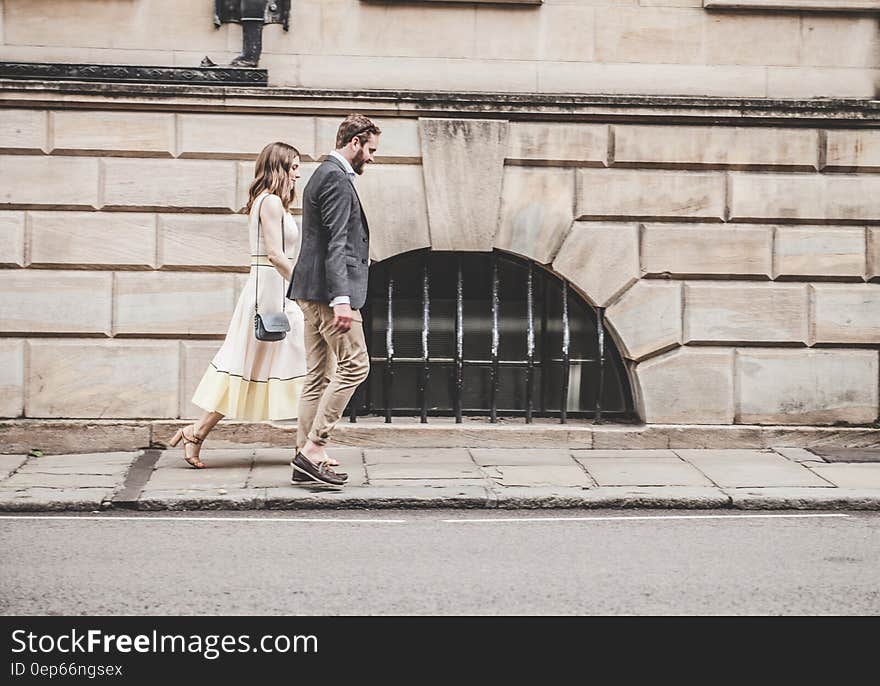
330,285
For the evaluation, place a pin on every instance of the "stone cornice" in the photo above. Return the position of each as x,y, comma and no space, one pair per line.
796,5
513,106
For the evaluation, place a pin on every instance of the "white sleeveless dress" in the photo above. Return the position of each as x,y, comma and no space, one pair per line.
251,379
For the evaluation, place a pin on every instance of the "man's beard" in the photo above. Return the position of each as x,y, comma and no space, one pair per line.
358,164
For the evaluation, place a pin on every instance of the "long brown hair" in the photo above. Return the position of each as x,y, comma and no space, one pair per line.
272,173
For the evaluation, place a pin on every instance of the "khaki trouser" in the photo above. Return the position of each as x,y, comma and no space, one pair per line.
337,363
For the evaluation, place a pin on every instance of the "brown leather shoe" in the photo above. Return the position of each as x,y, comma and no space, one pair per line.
299,477
320,472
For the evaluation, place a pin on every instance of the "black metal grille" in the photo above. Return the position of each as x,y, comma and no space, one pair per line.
462,334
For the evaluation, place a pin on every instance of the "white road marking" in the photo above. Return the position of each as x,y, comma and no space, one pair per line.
624,518
111,518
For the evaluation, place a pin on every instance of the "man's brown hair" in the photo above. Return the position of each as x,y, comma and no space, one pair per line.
355,125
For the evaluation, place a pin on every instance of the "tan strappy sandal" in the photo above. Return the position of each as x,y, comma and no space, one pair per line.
192,460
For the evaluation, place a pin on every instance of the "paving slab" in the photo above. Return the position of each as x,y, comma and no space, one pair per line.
84,460
803,498
457,456
227,469
423,470
751,468
850,454
614,454
532,497
551,475
855,475
22,480
525,457
9,463
799,454
635,471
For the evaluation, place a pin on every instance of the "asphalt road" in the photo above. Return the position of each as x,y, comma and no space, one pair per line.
442,563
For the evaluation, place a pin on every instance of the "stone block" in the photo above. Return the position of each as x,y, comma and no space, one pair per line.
408,73
70,182
638,194
125,239
824,82
819,252
536,211
753,39
161,25
39,302
730,147
567,32
243,136
111,379
571,475
170,184
393,198
172,303
707,250
690,386
581,145
843,313
806,386
647,318
649,35
245,177
11,377
146,134
495,26
742,312
23,131
12,239
852,150
399,141
602,260
873,272
207,241
806,197
463,207
195,356
652,79
840,41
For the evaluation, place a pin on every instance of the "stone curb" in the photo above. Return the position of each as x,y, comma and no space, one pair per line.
747,499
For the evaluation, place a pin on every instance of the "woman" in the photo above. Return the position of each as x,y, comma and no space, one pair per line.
248,378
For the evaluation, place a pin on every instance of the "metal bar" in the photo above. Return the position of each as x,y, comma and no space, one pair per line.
459,341
566,362
545,354
530,339
426,323
389,344
493,397
600,329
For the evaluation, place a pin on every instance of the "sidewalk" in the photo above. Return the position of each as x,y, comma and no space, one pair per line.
251,479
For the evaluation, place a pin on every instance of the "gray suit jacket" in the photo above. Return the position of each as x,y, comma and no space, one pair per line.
334,257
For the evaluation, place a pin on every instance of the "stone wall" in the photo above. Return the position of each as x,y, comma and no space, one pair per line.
736,48
739,261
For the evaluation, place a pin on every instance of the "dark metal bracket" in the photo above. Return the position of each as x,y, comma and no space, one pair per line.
253,15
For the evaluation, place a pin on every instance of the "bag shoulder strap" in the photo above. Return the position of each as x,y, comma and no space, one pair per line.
257,273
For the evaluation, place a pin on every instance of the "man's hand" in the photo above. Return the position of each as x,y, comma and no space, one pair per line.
343,317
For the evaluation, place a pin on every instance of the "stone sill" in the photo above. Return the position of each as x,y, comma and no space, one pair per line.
796,5
550,107
69,436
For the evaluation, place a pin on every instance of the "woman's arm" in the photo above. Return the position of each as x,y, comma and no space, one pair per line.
272,218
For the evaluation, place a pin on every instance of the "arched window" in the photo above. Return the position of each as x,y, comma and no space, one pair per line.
458,334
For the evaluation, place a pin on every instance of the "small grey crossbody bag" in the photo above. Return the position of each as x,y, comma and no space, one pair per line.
275,325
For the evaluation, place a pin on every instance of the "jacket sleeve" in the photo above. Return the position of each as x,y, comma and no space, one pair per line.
335,201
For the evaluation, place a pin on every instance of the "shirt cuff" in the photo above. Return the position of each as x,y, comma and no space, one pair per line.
340,300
